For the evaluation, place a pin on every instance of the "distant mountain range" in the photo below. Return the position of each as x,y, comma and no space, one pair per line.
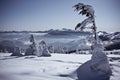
111,40
51,31
104,36
65,38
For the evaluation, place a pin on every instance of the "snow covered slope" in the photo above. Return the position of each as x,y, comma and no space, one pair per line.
48,68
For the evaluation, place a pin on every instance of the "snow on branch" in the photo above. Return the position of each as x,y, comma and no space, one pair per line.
84,23
84,9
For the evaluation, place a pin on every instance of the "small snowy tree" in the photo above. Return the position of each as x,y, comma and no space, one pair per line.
51,49
16,52
43,49
31,50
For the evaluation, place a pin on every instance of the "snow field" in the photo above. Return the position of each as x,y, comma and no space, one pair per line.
46,68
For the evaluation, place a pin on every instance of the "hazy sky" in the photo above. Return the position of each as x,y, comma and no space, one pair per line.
56,14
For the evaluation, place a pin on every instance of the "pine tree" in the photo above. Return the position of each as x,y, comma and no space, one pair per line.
88,11
98,67
43,49
31,50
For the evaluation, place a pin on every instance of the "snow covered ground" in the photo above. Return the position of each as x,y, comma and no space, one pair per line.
48,68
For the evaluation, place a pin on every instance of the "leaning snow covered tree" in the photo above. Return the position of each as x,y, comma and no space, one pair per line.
88,11
98,67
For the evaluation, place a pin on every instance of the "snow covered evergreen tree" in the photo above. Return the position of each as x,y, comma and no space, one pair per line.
31,50
43,49
98,67
16,52
51,49
88,11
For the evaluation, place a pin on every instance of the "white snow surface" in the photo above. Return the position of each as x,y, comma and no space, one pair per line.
46,68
